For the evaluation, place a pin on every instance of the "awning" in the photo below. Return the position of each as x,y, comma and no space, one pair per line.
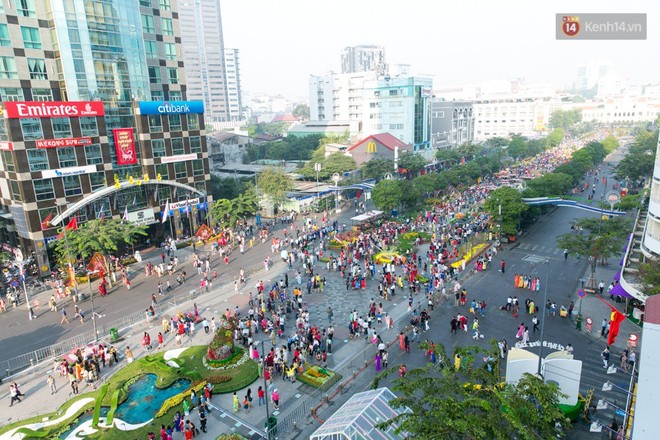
620,291
617,276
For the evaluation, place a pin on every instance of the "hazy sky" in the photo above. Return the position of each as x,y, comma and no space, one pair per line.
282,42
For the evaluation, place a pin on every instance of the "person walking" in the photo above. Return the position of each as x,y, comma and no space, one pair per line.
601,287
261,394
535,321
330,315
603,327
65,319
276,399
565,254
51,384
502,267
14,394
202,418
605,355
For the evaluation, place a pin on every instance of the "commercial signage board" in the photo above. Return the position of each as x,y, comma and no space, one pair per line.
72,171
142,217
427,92
53,109
177,205
178,158
125,146
70,142
170,107
6,146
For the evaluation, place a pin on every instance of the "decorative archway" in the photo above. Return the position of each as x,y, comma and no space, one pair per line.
114,189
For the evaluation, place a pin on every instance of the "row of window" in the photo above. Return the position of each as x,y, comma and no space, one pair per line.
155,76
45,190
166,25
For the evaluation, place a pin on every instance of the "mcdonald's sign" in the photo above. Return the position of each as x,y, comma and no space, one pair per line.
371,147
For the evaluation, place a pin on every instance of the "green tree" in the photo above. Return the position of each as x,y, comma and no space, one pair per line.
377,168
649,272
610,143
640,160
228,212
413,162
387,195
555,137
301,111
274,184
229,187
517,146
553,184
473,403
565,119
512,208
335,163
411,192
497,142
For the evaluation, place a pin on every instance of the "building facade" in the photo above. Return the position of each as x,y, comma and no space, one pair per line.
452,123
204,56
402,107
90,98
338,97
363,58
651,242
500,116
233,75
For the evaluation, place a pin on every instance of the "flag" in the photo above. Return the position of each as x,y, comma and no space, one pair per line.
125,215
615,321
73,224
166,212
134,200
46,223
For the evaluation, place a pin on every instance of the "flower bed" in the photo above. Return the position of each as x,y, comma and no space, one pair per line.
469,256
319,377
239,357
388,257
177,400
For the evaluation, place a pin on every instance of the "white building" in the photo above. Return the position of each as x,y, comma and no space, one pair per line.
363,58
619,110
651,242
232,71
499,116
203,56
337,97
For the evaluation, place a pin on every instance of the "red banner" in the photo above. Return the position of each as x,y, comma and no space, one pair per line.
6,146
53,109
125,146
71,142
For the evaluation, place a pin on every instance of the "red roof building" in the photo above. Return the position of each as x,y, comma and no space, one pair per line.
377,146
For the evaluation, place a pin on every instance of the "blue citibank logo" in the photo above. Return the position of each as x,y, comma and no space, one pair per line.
170,107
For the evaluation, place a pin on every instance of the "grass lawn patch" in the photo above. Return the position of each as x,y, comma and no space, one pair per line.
319,377
240,377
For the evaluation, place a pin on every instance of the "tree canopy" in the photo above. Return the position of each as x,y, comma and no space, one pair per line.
565,119
512,208
274,184
640,160
649,273
377,168
288,148
387,195
472,402
301,111
334,163
228,211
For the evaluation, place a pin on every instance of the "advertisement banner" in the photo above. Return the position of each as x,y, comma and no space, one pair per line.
72,171
142,217
182,204
71,142
52,109
170,107
6,146
125,146
178,158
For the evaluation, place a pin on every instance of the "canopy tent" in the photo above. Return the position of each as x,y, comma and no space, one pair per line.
366,217
618,290
358,417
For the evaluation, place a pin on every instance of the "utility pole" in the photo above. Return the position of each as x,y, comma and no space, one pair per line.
317,168
263,363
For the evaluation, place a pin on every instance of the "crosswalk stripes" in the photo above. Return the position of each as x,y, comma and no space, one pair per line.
539,248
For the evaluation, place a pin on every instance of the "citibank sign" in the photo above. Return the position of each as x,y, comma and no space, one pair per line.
170,107
52,109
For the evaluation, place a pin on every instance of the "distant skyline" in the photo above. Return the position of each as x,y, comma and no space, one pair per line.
282,43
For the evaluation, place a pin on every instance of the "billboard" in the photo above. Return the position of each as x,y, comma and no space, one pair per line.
52,109
170,107
124,146
6,146
70,171
178,158
142,217
70,142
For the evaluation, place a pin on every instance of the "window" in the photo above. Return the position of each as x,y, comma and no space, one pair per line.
37,68
168,27
88,126
180,170
31,37
97,180
158,147
43,189
8,160
195,144
71,185
25,8
148,24
154,74
157,95
175,122
177,146
175,95
5,40
93,154
162,170
170,51
11,94
16,191
193,121
3,131
198,167
155,123
67,157
173,75
8,68
61,127
165,5
42,95
38,160
146,3
394,92
151,48
31,129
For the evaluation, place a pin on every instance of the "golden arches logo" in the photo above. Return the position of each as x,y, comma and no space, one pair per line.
371,147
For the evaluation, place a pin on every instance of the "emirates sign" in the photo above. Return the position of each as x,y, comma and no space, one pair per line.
53,109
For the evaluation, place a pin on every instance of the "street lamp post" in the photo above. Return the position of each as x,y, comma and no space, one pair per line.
263,363
335,178
317,168
91,298
546,261
499,219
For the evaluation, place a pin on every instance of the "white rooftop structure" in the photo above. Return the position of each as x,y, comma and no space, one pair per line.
358,417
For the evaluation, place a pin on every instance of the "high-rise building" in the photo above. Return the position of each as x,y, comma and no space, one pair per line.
95,120
338,97
651,241
363,58
204,56
452,123
233,75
